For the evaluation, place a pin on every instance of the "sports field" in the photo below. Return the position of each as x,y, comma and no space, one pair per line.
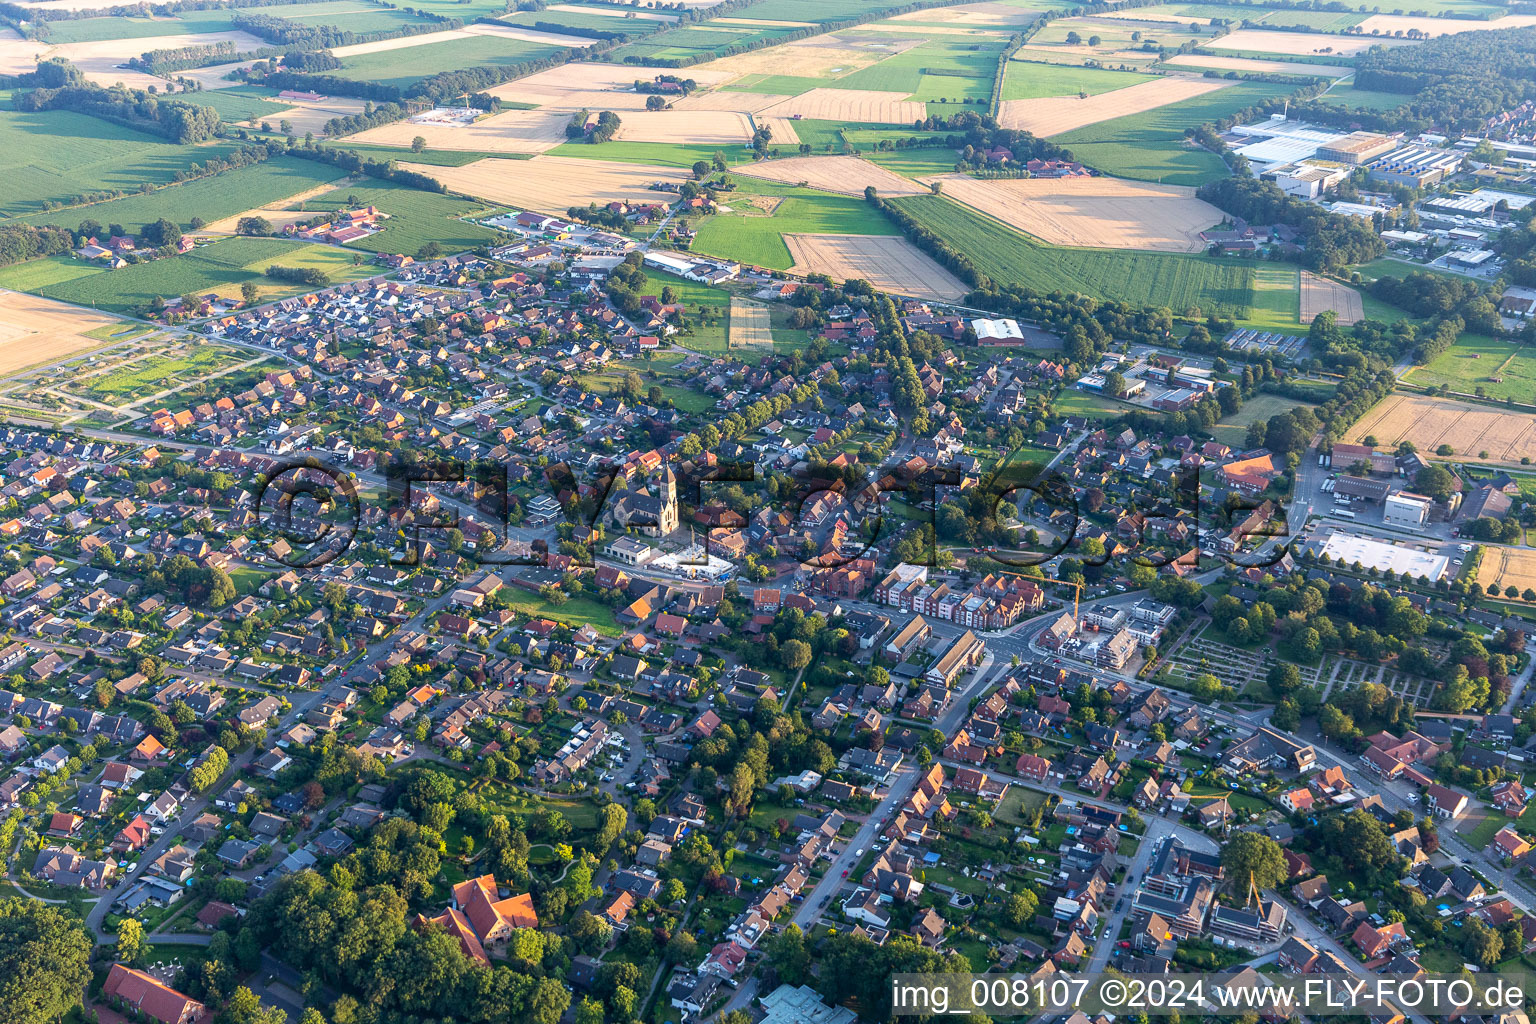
1470,430
36,330
1502,369
1093,212
1141,278
220,196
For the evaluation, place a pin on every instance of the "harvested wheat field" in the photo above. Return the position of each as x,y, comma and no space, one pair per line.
1300,43
552,184
35,330
1106,213
1430,422
818,57
851,105
750,327
1319,294
888,262
312,116
512,131
1392,24
1279,67
614,12
783,130
1053,116
981,15
526,35
725,99
848,175
1507,567
701,127
98,60
587,86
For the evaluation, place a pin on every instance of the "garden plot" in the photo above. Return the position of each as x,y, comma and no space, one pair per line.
552,184
36,330
847,175
99,59
890,263
1398,24
700,127
1318,294
1469,429
1278,67
1091,212
511,131
1054,116
1301,44
864,105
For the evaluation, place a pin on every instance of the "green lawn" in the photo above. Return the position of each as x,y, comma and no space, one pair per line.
1140,278
1364,99
1475,361
223,195
406,66
1027,80
1150,146
1276,299
575,612
947,68
36,275
756,238
1233,430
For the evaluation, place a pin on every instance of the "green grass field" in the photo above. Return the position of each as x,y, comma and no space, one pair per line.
409,65
575,21
755,238
1117,35
1139,278
660,154
1028,80
1276,299
57,155
243,103
949,68
695,42
223,195
344,14
1474,361
1151,146
37,275
415,218
1233,430
221,267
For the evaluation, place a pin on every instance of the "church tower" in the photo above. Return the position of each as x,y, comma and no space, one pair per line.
666,520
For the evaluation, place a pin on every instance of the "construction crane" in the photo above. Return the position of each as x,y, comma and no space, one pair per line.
1077,593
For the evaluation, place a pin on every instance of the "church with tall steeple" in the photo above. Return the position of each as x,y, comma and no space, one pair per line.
652,515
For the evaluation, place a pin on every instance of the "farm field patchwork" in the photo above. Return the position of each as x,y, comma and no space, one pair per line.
553,184
890,263
37,330
404,66
944,69
1026,80
848,175
757,238
1503,369
511,131
1140,278
1469,429
55,156
101,60
212,199
1300,44
803,64
1049,117
1091,212
219,268
1150,146
1395,24
1278,67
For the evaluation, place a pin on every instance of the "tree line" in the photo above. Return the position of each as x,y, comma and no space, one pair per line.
173,120
1331,241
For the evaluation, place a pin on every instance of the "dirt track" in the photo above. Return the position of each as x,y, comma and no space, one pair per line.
1091,212
1053,116
889,263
